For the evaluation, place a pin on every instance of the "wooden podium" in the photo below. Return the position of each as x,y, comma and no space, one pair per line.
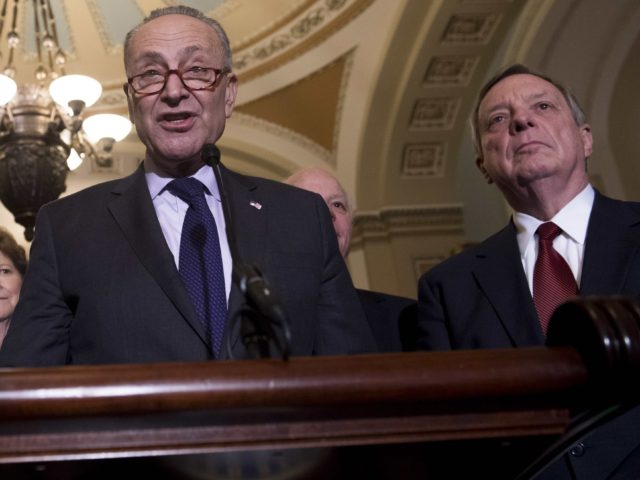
391,413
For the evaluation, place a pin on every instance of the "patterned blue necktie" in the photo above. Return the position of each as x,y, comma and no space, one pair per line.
200,262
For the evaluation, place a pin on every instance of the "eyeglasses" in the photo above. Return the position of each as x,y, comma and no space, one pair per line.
194,78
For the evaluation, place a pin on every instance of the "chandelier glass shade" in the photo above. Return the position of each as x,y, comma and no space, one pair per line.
8,89
43,134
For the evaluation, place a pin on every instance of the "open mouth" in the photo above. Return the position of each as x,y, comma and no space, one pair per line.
177,121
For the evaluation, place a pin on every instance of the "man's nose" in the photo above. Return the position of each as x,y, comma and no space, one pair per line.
521,120
174,87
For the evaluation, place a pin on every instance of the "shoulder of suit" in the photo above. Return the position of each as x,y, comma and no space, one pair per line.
498,242
383,297
288,194
87,195
607,203
252,182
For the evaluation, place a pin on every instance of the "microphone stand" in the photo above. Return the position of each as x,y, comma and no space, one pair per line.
261,311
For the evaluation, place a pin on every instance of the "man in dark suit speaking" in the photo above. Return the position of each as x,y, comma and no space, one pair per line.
139,269
565,238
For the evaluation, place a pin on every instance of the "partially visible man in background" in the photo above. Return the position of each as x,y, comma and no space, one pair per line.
391,318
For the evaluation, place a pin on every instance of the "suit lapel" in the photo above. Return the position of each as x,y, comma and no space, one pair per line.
613,240
249,213
133,210
499,274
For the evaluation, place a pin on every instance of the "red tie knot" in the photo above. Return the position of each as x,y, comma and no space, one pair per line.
548,231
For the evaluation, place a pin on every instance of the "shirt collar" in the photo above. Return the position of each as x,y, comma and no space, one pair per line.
573,219
157,181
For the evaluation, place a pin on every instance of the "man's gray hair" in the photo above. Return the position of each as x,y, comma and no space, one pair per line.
189,12
519,69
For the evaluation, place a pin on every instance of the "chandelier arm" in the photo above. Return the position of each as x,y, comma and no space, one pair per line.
57,122
52,23
13,37
51,33
6,124
38,32
3,14
9,115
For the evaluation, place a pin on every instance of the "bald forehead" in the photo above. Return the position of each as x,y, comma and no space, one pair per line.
313,176
174,31
316,179
320,182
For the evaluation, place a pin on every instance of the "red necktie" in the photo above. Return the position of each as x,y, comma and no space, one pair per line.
553,281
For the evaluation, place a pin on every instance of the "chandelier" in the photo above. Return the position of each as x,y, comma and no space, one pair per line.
43,134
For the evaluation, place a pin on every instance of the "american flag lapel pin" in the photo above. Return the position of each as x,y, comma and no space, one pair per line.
255,205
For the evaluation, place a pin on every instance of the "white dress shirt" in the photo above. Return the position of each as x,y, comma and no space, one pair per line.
573,219
171,211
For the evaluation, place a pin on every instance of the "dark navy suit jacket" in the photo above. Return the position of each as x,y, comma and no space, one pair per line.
480,299
392,320
102,285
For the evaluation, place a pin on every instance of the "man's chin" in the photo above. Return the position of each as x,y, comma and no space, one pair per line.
177,162
534,172
184,150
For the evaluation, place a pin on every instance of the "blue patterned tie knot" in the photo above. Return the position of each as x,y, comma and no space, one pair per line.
188,189
200,261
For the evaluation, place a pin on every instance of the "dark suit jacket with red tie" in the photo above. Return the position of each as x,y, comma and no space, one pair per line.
480,299
102,285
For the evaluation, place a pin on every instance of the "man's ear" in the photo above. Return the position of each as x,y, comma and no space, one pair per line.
480,165
587,139
125,87
230,94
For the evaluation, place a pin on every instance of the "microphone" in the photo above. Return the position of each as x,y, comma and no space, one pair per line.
210,155
250,281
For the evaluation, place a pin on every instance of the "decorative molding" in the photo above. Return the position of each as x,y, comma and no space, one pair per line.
434,113
312,27
110,99
344,83
286,134
424,160
303,26
450,71
409,218
423,264
224,9
470,28
295,10
103,29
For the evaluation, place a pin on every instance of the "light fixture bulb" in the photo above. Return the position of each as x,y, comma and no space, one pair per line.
13,39
106,125
60,58
8,89
68,88
48,42
10,71
73,160
41,73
